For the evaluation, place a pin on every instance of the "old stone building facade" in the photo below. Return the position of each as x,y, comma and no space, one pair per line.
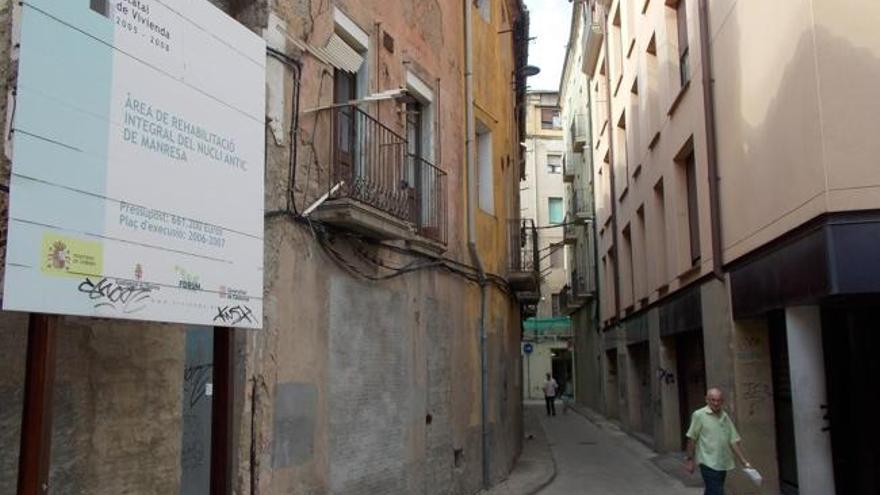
389,358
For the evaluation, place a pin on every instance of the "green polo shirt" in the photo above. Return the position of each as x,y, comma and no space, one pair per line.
713,434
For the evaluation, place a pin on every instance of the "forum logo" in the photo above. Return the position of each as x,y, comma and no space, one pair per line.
187,280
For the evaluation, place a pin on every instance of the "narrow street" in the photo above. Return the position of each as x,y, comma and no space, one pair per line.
592,460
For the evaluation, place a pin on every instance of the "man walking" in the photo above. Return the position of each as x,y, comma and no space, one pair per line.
714,439
550,388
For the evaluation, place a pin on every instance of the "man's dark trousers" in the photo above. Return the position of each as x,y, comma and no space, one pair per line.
714,480
551,406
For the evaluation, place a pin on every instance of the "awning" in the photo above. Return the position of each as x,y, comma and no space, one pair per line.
558,324
341,55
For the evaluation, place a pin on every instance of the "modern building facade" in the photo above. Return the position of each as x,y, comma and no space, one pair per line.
389,358
735,206
542,198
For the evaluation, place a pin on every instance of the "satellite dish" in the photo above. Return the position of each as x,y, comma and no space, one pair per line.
530,70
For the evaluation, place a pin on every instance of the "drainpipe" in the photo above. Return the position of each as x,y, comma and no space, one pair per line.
711,143
470,157
611,172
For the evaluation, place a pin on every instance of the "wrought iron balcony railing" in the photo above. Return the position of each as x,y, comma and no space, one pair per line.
369,164
523,246
582,285
524,270
428,211
367,161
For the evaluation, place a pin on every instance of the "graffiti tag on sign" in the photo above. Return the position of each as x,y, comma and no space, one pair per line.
233,315
118,295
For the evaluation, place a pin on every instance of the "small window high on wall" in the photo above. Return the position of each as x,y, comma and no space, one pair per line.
550,118
485,175
688,174
554,164
681,26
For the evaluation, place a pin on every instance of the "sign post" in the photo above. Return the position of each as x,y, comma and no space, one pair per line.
36,418
222,412
527,349
136,192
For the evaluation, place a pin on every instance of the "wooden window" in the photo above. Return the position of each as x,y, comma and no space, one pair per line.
550,118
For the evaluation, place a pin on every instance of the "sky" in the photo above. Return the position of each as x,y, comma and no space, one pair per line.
549,25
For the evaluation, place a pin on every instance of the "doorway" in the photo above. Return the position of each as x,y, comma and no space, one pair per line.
782,402
691,364
640,389
851,341
561,366
612,387
344,126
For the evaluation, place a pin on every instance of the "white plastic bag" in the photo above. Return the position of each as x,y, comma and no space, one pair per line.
753,475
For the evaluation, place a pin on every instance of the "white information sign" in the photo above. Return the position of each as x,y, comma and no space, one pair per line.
138,163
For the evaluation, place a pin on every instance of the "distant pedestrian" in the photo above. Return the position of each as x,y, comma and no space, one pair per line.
550,389
714,439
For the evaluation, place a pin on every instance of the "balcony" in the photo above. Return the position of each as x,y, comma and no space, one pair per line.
374,187
568,168
570,229
428,212
524,265
567,304
573,166
581,204
583,287
578,132
575,294
593,38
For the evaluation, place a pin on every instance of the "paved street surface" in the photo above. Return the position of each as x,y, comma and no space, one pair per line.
602,460
534,468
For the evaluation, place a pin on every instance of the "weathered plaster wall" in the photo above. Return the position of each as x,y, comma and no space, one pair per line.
395,364
352,386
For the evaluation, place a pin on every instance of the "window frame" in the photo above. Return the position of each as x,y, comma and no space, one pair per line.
551,200
555,121
682,43
554,168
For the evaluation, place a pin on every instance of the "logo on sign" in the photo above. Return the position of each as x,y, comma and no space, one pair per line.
234,294
187,280
57,258
68,256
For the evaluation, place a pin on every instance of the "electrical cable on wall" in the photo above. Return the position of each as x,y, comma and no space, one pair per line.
321,232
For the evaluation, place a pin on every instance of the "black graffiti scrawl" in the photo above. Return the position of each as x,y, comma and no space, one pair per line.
125,296
233,315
